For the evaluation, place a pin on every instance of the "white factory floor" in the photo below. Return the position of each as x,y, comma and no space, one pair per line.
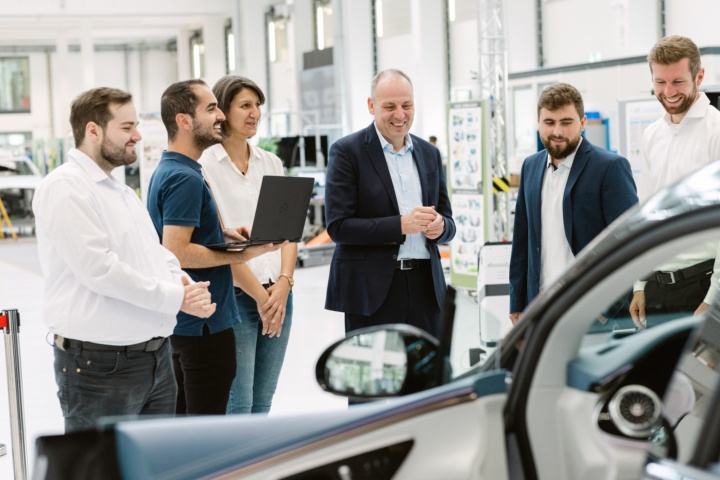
21,284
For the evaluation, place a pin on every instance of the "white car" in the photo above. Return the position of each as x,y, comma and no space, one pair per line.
19,177
576,391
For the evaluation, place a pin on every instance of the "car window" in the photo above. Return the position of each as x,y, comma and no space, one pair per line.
667,292
647,396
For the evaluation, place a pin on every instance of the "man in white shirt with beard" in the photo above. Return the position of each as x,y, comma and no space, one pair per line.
685,139
111,290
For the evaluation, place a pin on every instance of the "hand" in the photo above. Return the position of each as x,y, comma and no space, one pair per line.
272,311
237,234
702,308
637,310
417,220
256,250
514,317
435,228
197,299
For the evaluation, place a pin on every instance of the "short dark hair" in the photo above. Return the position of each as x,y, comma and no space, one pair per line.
390,71
558,95
672,49
94,106
228,87
178,98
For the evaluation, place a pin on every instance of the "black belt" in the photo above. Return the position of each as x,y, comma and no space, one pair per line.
151,345
679,276
412,263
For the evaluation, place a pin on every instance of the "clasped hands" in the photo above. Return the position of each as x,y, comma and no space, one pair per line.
272,311
197,299
423,220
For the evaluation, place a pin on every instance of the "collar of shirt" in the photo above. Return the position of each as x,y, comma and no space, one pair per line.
697,110
219,153
387,147
88,165
568,160
180,158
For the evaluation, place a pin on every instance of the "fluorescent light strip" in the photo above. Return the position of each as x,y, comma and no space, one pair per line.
379,18
320,28
271,41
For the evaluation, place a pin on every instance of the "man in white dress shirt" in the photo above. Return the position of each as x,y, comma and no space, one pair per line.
111,290
683,140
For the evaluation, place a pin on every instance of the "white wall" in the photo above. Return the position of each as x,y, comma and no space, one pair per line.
696,19
154,71
574,30
521,35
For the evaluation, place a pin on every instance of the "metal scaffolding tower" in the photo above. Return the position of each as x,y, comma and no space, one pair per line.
494,89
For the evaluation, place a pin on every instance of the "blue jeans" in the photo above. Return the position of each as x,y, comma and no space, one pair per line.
96,384
259,358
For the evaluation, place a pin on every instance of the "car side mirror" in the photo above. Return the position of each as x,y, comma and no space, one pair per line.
380,361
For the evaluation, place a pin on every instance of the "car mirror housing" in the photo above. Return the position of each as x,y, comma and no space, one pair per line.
380,361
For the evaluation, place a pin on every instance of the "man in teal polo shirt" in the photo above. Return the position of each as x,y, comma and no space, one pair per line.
186,219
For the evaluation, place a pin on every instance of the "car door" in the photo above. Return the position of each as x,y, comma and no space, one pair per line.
570,366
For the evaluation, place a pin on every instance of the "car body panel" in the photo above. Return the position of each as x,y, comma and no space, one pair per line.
199,446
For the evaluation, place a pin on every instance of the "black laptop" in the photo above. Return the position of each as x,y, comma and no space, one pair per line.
280,214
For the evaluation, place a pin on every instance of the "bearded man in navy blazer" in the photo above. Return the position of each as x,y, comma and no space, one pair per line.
568,194
387,209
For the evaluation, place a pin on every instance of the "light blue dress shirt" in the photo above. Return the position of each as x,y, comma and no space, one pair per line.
406,182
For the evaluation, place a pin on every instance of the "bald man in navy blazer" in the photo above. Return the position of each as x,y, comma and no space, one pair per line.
387,209
568,194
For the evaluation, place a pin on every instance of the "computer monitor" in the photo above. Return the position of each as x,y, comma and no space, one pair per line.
289,151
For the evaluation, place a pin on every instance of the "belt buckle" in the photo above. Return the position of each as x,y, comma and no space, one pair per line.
153,344
402,264
662,276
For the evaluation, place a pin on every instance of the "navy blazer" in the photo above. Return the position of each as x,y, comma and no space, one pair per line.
363,219
599,188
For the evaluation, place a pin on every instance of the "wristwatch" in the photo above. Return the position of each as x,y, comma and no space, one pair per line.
289,279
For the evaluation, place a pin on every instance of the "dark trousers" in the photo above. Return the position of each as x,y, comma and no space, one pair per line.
410,299
683,297
204,371
95,384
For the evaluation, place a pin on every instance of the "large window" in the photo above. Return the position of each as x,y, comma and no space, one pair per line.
277,35
14,85
392,18
229,49
197,47
324,30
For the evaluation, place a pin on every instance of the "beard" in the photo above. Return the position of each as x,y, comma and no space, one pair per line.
116,155
203,139
560,152
683,106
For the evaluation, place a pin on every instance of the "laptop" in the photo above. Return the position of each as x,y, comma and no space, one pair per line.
280,214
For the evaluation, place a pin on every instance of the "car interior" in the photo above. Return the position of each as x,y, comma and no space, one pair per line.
608,391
